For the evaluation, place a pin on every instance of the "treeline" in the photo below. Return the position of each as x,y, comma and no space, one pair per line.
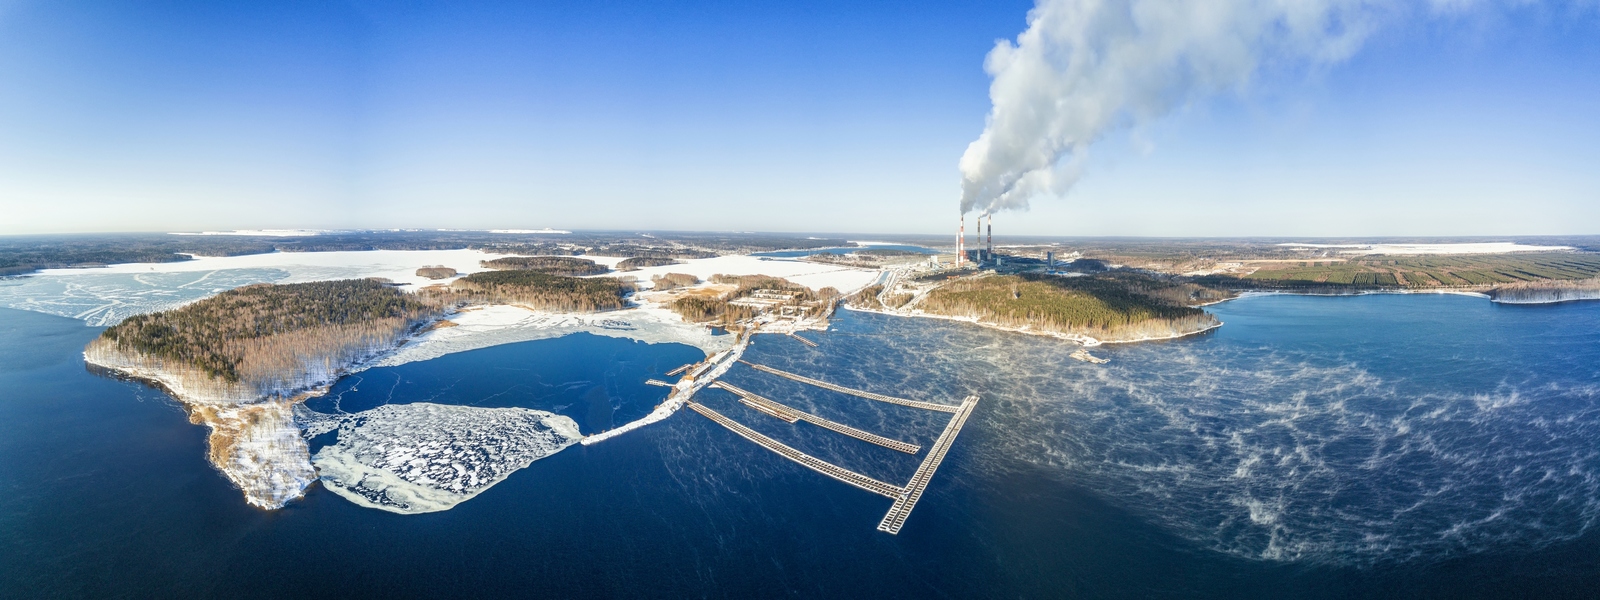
640,262
674,280
1546,291
436,272
867,297
638,251
1107,306
555,265
888,252
531,249
257,333
541,290
260,339
1417,272
24,254
871,298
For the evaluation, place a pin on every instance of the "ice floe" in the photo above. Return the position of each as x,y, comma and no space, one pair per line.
425,457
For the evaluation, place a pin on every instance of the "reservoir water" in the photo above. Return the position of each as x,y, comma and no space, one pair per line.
1371,446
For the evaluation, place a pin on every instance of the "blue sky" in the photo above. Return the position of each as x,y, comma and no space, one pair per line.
840,117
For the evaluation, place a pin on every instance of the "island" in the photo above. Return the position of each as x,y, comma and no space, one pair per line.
436,272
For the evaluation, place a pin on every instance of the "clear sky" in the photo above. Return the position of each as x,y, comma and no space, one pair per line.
773,116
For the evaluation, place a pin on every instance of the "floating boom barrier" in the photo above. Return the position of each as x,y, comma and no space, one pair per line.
854,392
792,415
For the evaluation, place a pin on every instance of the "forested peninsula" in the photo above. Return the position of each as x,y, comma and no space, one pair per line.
269,340
264,340
1107,307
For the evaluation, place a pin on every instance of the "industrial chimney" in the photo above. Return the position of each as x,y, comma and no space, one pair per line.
991,234
961,241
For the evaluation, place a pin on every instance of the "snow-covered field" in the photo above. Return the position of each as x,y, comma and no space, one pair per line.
1471,248
399,266
104,296
812,275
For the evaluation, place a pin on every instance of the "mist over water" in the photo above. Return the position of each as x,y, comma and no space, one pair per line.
1322,430
1312,447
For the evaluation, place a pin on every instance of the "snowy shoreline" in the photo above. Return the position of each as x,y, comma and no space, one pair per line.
1081,339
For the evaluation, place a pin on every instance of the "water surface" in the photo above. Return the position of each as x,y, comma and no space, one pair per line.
1379,446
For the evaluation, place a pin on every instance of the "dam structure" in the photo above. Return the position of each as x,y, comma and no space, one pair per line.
905,497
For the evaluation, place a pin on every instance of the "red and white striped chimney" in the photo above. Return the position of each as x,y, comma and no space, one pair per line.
961,241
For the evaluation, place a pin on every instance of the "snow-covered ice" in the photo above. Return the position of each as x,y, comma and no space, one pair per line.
812,275
424,457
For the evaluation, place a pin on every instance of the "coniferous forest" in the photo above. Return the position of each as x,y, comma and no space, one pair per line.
253,332
1108,306
541,290
555,265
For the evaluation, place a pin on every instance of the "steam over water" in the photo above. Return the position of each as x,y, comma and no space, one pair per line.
1398,436
1401,446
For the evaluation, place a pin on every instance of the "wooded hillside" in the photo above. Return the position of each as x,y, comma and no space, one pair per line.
256,332
1107,306
542,290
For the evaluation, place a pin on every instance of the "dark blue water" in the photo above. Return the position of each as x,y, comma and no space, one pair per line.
598,381
1377,446
799,253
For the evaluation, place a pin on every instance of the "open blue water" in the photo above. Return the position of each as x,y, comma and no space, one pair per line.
1374,446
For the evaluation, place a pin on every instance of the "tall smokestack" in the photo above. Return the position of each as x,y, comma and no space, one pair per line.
991,233
961,241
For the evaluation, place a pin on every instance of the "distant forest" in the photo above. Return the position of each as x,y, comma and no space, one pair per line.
540,290
25,254
555,265
1416,272
640,262
648,252
674,280
1111,306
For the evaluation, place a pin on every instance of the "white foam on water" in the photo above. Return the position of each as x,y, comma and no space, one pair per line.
1290,461
1260,452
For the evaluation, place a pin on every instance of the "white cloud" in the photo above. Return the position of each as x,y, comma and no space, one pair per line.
1084,68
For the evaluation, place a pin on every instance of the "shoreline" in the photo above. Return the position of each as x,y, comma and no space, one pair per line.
259,446
1081,339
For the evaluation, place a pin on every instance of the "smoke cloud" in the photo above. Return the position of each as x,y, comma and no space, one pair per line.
1085,68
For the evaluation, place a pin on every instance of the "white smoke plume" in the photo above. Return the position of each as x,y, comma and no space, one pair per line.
1086,67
